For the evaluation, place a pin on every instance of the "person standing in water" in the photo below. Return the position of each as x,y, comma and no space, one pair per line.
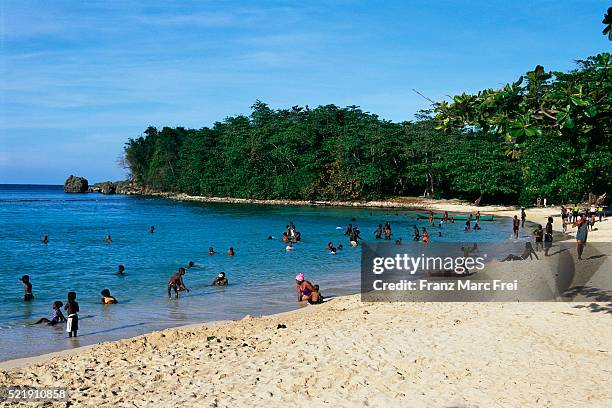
220,280
523,217
152,229
108,239
379,231
230,252
416,233
27,288
176,283
45,239
72,309
387,231
515,227
120,270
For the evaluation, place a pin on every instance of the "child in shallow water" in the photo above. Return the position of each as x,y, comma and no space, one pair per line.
107,299
57,318
72,308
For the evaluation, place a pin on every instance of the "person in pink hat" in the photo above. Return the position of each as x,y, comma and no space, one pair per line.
307,291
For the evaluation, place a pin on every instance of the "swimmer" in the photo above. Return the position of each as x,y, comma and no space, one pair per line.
190,264
220,280
152,229
58,316
339,248
211,251
230,252
416,233
27,288
476,226
398,241
270,237
425,235
289,247
120,270
107,299
176,283
439,233
45,239
108,239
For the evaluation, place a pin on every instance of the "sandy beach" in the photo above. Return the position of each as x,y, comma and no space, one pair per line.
350,353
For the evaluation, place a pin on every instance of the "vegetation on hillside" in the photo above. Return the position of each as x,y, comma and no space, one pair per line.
548,134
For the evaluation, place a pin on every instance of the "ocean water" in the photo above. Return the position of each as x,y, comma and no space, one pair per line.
261,274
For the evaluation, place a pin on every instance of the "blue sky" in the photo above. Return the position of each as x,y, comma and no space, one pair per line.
77,79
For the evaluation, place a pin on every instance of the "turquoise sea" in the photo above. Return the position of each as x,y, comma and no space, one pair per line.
260,274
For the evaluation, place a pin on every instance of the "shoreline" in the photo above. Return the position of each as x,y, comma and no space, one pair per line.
352,346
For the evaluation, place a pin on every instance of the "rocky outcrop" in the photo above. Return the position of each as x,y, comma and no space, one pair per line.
75,184
105,187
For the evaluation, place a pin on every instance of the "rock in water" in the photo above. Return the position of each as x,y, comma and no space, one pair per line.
75,184
106,187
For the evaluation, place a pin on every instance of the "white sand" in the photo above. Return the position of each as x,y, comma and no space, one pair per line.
349,353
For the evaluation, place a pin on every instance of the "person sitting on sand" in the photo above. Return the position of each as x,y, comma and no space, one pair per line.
220,280
230,252
527,253
27,288
176,283
108,239
45,239
307,291
58,316
120,270
72,309
107,299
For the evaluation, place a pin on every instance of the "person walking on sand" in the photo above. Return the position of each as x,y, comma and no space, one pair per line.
523,217
176,283
548,236
581,235
515,226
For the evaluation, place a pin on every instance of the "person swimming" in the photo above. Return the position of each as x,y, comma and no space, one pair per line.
108,239
58,316
45,239
220,280
120,270
27,288
211,251
230,252
289,246
190,265
152,229
176,283
107,299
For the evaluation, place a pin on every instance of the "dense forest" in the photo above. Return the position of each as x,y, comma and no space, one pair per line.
548,133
